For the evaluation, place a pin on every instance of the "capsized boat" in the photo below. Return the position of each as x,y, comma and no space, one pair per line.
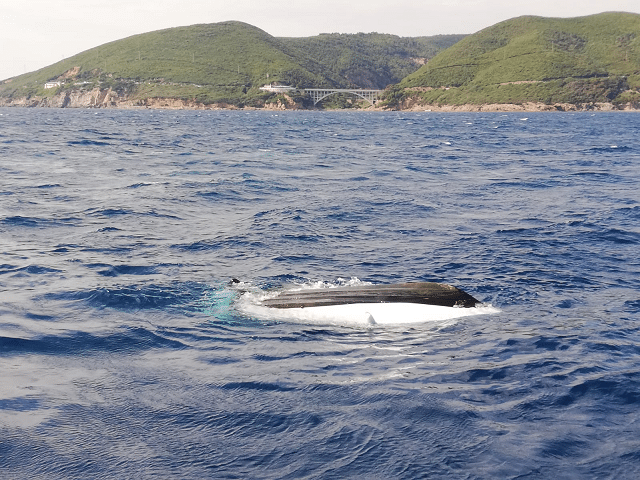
424,293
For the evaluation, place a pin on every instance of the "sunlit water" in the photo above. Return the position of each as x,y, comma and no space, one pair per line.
125,353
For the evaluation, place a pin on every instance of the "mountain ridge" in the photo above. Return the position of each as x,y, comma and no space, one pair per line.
528,62
221,64
585,61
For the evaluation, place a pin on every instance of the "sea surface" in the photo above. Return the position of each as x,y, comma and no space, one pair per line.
126,353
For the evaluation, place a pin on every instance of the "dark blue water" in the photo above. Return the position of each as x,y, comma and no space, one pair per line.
123,355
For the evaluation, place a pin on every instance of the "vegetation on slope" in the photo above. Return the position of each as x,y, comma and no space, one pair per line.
207,63
371,60
227,63
533,59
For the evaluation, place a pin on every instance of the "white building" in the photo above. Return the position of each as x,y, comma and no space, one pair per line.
277,88
52,84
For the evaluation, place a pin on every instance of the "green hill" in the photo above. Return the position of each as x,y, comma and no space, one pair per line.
371,60
222,63
206,63
533,59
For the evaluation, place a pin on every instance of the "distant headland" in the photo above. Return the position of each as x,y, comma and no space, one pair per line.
523,64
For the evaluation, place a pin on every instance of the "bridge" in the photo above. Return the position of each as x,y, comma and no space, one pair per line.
318,94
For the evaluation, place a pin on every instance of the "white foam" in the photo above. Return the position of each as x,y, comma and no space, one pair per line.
340,282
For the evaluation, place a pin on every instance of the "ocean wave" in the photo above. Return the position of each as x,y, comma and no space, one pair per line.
38,222
185,296
125,340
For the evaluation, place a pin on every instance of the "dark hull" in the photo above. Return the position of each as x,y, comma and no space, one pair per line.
425,293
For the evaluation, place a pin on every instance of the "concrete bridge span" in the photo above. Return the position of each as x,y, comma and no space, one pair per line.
318,94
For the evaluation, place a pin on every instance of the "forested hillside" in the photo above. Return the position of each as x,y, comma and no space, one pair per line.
371,60
533,59
584,62
223,63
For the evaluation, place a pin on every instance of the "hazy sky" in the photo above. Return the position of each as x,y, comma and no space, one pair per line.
36,33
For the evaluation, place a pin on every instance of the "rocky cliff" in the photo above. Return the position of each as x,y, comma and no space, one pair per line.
108,98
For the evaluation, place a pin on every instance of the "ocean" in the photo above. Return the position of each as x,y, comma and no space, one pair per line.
125,351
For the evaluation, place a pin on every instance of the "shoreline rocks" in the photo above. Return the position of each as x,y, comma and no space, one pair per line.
109,98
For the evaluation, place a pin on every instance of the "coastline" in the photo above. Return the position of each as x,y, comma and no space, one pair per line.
525,107
109,99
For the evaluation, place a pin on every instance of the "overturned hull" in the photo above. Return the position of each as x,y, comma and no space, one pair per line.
424,293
